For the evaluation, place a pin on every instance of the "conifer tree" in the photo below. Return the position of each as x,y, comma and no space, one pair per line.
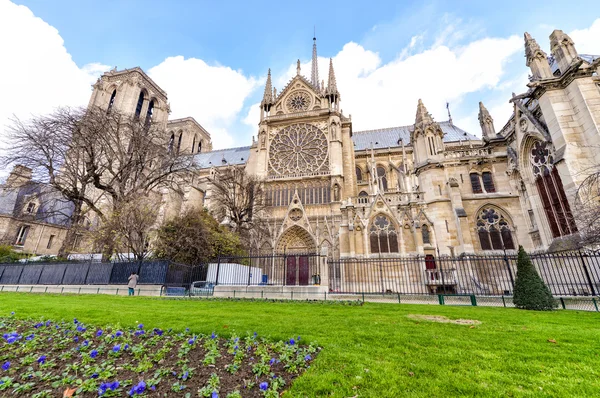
531,293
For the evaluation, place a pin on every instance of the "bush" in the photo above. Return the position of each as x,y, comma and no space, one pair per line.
531,293
8,255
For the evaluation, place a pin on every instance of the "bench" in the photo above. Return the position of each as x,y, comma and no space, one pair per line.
175,291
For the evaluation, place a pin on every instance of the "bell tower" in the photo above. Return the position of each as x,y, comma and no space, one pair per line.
133,93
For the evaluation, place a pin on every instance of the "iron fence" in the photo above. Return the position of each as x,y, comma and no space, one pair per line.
566,274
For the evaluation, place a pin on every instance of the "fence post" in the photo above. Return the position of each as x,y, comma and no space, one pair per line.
473,300
503,301
218,268
595,304
363,296
562,302
587,274
398,298
441,299
510,275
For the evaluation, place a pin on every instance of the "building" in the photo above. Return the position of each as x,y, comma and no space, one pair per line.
428,188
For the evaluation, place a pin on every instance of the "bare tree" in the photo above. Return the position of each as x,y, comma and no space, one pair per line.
587,210
97,159
129,227
240,198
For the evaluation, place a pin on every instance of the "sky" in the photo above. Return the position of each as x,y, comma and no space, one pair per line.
212,57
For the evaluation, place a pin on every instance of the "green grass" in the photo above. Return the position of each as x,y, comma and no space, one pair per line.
376,350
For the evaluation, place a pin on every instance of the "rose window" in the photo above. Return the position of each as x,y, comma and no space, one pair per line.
299,149
298,101
541,158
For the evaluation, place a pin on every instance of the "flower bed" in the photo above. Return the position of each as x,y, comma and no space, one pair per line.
55,359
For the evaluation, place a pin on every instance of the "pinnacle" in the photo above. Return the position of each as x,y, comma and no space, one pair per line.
331,83
268,95
422,115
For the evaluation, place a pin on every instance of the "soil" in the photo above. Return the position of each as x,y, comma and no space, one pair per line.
243,380
443,319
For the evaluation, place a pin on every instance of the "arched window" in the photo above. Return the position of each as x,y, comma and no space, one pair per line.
179,142
171,142
149,112
383,236
425,234
475,183
358,174
111,101
199,146
138,107
31,207
488,182
494,230
382,178
193,144
551,191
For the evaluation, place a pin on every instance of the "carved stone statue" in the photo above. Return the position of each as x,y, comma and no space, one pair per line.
333,132
336,193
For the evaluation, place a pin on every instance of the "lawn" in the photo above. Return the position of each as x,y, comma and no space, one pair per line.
376,350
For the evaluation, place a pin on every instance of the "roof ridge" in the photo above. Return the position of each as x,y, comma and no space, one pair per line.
224,149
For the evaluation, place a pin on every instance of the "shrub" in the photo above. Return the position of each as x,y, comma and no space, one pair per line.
531,293
8,255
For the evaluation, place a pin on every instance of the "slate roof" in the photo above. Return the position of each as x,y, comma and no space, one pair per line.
53,208
221,157
389,137
589,58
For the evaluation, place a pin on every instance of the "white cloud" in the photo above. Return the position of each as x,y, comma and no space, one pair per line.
213,95
382,95
38,74
586,40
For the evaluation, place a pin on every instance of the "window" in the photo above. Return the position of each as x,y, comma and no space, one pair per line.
193,144
488,182
475,183
440,190
425,234
171,142
199,146
30,208
383,236
111,101
138,107
179,142
149,113
494,230
551,190
461,179
22,235
50,241
382,178
358,174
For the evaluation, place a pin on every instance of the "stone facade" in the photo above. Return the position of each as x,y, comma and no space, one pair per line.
428,188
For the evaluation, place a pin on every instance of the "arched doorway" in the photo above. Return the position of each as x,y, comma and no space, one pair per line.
299,255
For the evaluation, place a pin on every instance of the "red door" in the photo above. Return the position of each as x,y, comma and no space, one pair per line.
430,264
290,276
303,271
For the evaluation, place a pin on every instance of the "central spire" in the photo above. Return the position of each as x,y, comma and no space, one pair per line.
314,73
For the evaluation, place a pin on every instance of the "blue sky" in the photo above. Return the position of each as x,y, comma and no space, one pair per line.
387,53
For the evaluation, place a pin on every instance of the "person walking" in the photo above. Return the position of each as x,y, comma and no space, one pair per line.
133,281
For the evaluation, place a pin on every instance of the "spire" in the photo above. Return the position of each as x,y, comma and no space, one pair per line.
314,73
536,59
486,122
422,115
298,68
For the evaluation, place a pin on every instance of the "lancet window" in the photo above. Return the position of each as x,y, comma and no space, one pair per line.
383,236
309,194
551,191
494,230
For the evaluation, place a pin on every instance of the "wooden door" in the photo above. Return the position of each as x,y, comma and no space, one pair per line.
430,264
290,276
303,271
